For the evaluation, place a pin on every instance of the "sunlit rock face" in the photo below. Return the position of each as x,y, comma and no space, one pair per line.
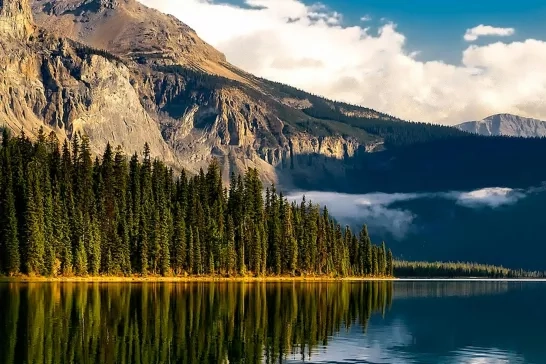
126,74
15,19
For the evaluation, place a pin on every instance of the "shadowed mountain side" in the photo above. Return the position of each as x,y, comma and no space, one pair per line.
463,164
442,230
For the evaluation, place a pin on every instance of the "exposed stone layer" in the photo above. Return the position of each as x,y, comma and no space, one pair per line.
115,70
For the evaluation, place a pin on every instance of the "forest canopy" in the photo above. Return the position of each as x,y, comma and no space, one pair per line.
66,213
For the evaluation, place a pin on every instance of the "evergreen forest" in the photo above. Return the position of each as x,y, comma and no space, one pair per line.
459,269
65,213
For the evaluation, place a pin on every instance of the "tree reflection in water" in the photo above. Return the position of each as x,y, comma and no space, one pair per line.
179,323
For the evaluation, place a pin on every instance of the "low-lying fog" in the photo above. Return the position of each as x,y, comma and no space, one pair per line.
393,213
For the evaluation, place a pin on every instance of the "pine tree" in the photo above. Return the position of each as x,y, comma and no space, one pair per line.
191,252
231,255
366,264
60,213
375,261
61,234
383,260
166,236
390,264
35,246
198,258
9,237
92,238
290,241
81,259
179,243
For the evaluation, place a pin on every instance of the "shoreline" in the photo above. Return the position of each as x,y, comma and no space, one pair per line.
249,279
189,279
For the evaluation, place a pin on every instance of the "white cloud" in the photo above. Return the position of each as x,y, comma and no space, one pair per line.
380,212
487,30
366,18
492,197
373,208
311,48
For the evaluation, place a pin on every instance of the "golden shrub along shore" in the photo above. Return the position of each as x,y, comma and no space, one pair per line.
180,279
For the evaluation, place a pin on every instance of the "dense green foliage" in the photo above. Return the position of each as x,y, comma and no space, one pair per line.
458,270
194,323
63,214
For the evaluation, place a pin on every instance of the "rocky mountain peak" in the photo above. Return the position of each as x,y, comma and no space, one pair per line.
128,29
507,125
15,19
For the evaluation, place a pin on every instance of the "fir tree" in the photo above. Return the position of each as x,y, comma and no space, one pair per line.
231,254
9,238
180,243
60,213
35,245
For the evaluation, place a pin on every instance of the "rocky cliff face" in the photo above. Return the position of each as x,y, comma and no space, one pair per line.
507,125
126,74
15,19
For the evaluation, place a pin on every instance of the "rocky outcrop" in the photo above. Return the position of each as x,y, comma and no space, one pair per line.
15,19
126,74
507,125
60,85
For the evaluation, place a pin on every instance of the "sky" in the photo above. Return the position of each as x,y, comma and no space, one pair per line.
443,62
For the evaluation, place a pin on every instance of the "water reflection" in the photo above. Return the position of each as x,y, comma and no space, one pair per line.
179,323
379,322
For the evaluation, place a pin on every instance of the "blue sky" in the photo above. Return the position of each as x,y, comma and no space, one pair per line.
444,62
434,27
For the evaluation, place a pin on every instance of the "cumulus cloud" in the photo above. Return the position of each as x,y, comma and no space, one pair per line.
492,197
366,18
380,212
481,30
310,47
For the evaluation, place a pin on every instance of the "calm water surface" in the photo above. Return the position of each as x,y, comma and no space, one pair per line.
402,322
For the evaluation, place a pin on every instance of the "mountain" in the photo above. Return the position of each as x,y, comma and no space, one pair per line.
506,124
125,74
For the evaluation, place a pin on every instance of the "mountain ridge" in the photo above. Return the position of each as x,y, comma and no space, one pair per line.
183,98
506,125
182,95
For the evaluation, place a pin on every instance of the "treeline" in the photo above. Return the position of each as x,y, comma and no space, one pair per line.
63,213
183,323
395,132
458,270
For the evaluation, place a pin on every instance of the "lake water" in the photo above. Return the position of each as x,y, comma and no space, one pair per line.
402,322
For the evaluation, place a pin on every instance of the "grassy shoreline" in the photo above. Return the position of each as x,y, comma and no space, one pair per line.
188,279
247,279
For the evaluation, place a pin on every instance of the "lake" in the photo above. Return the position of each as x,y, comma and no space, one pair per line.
337,322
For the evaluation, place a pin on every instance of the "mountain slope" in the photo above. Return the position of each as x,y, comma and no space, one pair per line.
126,74
506,124
67,87
144,76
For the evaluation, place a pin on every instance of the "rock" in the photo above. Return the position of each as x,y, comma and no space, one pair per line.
125,74
16,19
507,125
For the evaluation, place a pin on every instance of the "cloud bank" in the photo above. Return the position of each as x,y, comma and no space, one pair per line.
487,30
377,210
311,48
